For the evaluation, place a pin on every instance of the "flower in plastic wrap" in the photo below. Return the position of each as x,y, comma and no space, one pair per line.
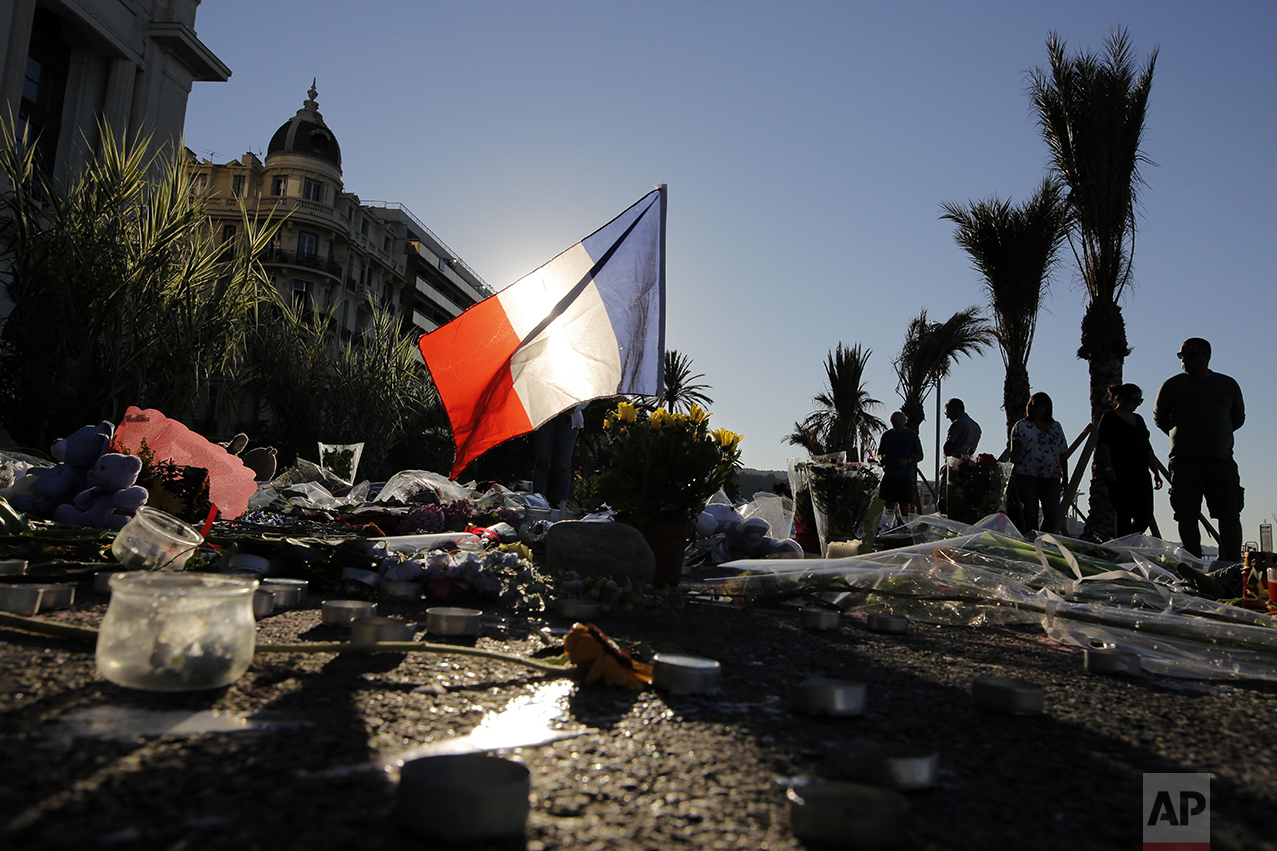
977,487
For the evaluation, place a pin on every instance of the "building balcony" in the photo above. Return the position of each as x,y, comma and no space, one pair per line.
281,257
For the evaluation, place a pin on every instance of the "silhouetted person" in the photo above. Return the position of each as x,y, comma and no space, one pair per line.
1126,458
899,451
1200,410
1039,452
964,432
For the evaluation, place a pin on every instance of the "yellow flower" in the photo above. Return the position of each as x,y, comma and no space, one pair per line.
726,439
660,417
697,414
607,424
626,412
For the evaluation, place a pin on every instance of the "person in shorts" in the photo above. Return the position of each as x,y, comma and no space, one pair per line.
899,451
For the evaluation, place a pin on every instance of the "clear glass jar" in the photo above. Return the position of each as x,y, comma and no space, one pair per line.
171,631
153,540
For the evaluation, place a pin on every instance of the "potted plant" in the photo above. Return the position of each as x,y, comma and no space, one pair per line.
663,468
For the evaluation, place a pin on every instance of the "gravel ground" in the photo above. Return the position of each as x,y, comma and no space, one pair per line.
644,770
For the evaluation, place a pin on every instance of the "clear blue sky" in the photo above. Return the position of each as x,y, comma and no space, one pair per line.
807,148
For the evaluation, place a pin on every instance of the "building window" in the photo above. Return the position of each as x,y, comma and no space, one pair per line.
313,190
279,185
44,85
385,245
364,227
228,233
237,185
350,212
307,244
301,295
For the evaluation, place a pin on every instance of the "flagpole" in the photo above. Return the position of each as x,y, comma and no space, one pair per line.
660,366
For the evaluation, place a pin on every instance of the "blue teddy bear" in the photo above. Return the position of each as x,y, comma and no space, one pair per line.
43,489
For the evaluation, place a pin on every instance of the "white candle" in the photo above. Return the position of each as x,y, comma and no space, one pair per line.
842,549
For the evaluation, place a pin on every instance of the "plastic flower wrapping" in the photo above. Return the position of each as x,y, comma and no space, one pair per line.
976,486
841,492
664,465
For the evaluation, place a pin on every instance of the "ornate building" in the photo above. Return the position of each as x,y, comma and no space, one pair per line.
66,65
333,251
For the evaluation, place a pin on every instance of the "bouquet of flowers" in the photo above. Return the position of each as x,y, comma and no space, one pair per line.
664,466
976,487
841,492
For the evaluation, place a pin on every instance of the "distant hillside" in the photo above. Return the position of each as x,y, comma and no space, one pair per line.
753,481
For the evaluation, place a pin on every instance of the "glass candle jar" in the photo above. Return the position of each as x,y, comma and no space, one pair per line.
169,631
154,539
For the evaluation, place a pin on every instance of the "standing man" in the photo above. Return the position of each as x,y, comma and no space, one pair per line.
1200,410
962,439
964,432
899,451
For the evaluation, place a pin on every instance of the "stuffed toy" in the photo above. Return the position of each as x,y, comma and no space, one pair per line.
43,489
260,460
112,497
736,537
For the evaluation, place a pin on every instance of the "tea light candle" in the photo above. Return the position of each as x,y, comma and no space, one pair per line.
463,798
1008,694
288,592
899,766
821,696
263,603
452,621
680,674
342,612
1105,661
55,596
842,549
888,623
818,618
21,600
848,815
371,630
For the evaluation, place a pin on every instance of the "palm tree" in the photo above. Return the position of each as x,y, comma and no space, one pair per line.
1091,111
929,352
681,389
844,419
1015,249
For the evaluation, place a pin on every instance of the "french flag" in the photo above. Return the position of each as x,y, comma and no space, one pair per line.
586,325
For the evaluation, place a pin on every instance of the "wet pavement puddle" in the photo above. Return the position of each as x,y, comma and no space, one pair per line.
527,721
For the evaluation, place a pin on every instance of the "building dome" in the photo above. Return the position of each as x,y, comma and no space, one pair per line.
307,134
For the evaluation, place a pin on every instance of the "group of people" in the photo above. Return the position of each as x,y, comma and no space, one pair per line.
1199,409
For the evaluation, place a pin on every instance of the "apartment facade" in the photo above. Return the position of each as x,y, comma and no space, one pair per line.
333,251
67,66
70,67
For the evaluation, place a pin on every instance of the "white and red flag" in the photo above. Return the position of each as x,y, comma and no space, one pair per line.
586,325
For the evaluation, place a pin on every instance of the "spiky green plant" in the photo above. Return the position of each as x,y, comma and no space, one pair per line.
122,295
